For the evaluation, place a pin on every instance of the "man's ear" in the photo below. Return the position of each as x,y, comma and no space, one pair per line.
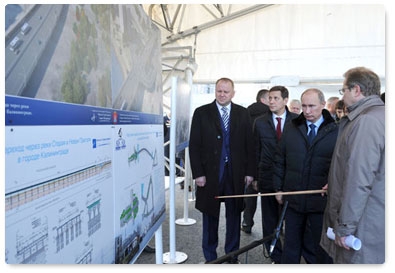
357,91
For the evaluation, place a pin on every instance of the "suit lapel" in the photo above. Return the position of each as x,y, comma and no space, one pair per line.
234,119
215,113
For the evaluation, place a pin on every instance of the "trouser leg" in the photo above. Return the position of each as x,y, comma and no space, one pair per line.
293,238
249,208
210,237
233,218
316,220
308,248
270,216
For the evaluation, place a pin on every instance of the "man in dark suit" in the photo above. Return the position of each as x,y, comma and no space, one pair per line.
256,109
223,163
266,140
301,162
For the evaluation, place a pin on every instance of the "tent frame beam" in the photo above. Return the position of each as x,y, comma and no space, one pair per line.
220,18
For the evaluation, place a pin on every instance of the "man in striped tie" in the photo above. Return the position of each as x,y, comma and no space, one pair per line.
223,162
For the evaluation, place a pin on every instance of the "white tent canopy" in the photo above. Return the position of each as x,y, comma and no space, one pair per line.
296,45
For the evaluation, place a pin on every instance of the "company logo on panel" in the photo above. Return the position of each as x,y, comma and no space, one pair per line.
120,143
114,117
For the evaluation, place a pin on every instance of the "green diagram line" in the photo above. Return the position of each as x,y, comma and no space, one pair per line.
135,156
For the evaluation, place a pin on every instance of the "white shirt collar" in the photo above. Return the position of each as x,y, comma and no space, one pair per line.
283,116
220,107
317,123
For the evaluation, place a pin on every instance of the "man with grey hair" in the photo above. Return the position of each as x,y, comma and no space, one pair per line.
356,183
331,106
302,162
295,106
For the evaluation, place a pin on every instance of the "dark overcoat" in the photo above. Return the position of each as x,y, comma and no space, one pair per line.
299,166
265,143
205,148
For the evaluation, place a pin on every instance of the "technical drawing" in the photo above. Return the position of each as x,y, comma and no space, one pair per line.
131,210
23,196
127,249
86,254
31,248
149,194
94,213
137,151
70,226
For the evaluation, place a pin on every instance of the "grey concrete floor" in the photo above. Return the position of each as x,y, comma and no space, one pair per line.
188,237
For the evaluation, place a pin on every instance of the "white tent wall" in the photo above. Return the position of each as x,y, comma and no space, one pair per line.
305,40
317,43
314,44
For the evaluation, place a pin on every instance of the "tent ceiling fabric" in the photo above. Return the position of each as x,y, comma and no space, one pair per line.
254,43
183,20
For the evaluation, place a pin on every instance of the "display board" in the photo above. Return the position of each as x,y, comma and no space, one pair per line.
84,168
140,201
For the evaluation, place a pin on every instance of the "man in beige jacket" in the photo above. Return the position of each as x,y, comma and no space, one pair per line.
356,183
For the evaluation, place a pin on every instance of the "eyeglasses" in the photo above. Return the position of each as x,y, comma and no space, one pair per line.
343,90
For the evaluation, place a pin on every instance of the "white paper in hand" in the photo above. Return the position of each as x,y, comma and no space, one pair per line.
351,240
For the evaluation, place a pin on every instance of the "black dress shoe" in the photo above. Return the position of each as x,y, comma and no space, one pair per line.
246,229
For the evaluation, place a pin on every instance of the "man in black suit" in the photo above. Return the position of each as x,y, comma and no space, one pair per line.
301,162
266,140
256,109
223,163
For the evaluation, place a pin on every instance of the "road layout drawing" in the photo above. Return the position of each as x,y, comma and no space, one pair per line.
140,199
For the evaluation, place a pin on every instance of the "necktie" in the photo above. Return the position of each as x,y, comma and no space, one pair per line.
225,117
278,128
311,135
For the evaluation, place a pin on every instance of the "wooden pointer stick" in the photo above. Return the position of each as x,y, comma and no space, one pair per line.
271,194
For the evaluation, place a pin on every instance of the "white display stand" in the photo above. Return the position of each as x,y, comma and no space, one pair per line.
158,246
173,256
186,221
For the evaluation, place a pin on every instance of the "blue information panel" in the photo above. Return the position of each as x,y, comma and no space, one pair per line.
24,111
84,163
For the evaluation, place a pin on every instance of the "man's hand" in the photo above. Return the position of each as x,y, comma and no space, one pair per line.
279,198
341,241
248,180
325,187
254,185
200,181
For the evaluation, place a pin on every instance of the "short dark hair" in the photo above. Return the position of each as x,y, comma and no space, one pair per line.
340,104
261,93
282,89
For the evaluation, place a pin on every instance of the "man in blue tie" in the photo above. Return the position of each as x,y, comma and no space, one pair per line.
302,162
223,163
